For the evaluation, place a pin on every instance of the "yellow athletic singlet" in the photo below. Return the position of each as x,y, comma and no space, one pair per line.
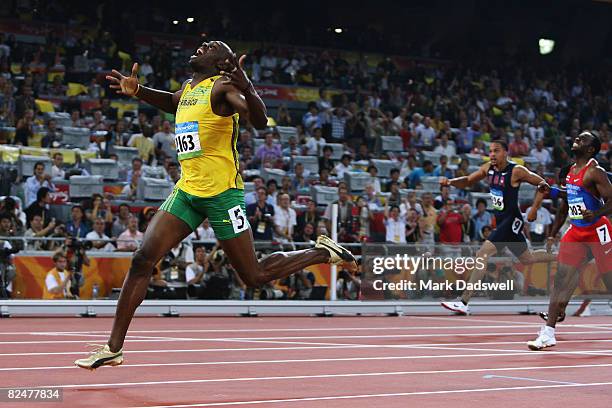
206,144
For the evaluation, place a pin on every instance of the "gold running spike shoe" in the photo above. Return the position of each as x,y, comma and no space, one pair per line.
100,356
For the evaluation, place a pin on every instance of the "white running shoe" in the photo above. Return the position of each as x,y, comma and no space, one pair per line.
458,307
546,338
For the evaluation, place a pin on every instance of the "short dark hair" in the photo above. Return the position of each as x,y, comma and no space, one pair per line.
136,159
326,148
595,143
6,216
58,255
481,200
501,142
39,163
427,163
124,205
272,181
371,166
41,193
394,170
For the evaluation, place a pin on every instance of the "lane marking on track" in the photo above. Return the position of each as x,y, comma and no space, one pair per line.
528,379
323,346
319,360
397,394
379,336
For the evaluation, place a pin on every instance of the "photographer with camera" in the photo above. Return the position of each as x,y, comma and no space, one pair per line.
299,285
76,256
58,283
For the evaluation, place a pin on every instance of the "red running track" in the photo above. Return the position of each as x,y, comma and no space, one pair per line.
423,361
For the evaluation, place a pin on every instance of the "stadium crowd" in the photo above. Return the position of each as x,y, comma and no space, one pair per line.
444,114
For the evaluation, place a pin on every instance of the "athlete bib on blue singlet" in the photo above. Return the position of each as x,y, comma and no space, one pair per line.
187,140
576,208
497,197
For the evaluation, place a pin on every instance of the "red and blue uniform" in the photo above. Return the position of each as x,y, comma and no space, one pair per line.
583,236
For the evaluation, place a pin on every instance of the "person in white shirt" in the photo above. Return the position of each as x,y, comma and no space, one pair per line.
445,147
395,225
205,231
285,219
98,234
426,134
130,239
536,132
163,142
195,272
316,143
410,202
56,170
35,182
343,166
539,229
540,153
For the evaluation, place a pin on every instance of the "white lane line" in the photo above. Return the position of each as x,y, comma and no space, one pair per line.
528,379
472,319
311,329
320,360
327,346
379,336
294,377
397,394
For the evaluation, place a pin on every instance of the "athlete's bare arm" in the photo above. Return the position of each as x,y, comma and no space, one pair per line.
597,179
522,174
129,86
469,180
238,92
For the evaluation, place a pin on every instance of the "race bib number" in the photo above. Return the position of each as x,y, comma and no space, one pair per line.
604,234
187,140
517,224
497,197
576,208
238,219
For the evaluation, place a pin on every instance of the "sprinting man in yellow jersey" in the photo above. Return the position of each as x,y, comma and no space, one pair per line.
208,107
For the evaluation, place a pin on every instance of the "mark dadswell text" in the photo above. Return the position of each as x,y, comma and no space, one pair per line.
379,284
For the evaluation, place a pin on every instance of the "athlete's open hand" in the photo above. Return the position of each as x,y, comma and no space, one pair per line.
588,215
234,71
124,85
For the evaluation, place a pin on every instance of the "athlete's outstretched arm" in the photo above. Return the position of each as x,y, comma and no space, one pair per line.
241,94
523,174
129,86
602,183
469,180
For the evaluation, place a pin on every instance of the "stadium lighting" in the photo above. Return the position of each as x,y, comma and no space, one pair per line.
546,46
175,22
338,30
190,19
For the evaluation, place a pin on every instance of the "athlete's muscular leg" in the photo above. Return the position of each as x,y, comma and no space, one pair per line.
566,281
164,232
277,265
486,250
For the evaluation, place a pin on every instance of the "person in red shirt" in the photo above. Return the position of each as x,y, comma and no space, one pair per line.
518,147
450,222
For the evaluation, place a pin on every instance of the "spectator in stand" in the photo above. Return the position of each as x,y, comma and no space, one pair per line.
261,216
311,120
292,149
36,230
541,153
369,195
136,167
285,219
538,230
445,147
163,141
283,118
144,144
272,189
394,174
481,216
344,166
75,118
463,169
518,147
316,144
174,173
269,150
395,225
442,170
468,228
77,227
414,179
308,216
121,134
35,182
345,215
252,197
413,235
57,169
444,195
24,129
121,221
130,190
375,180
204,232
428,222
129,240
39,207
326,161
98,122
53,136
11,208
99,240
425,135
450,221
195,272
339,116
410,203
